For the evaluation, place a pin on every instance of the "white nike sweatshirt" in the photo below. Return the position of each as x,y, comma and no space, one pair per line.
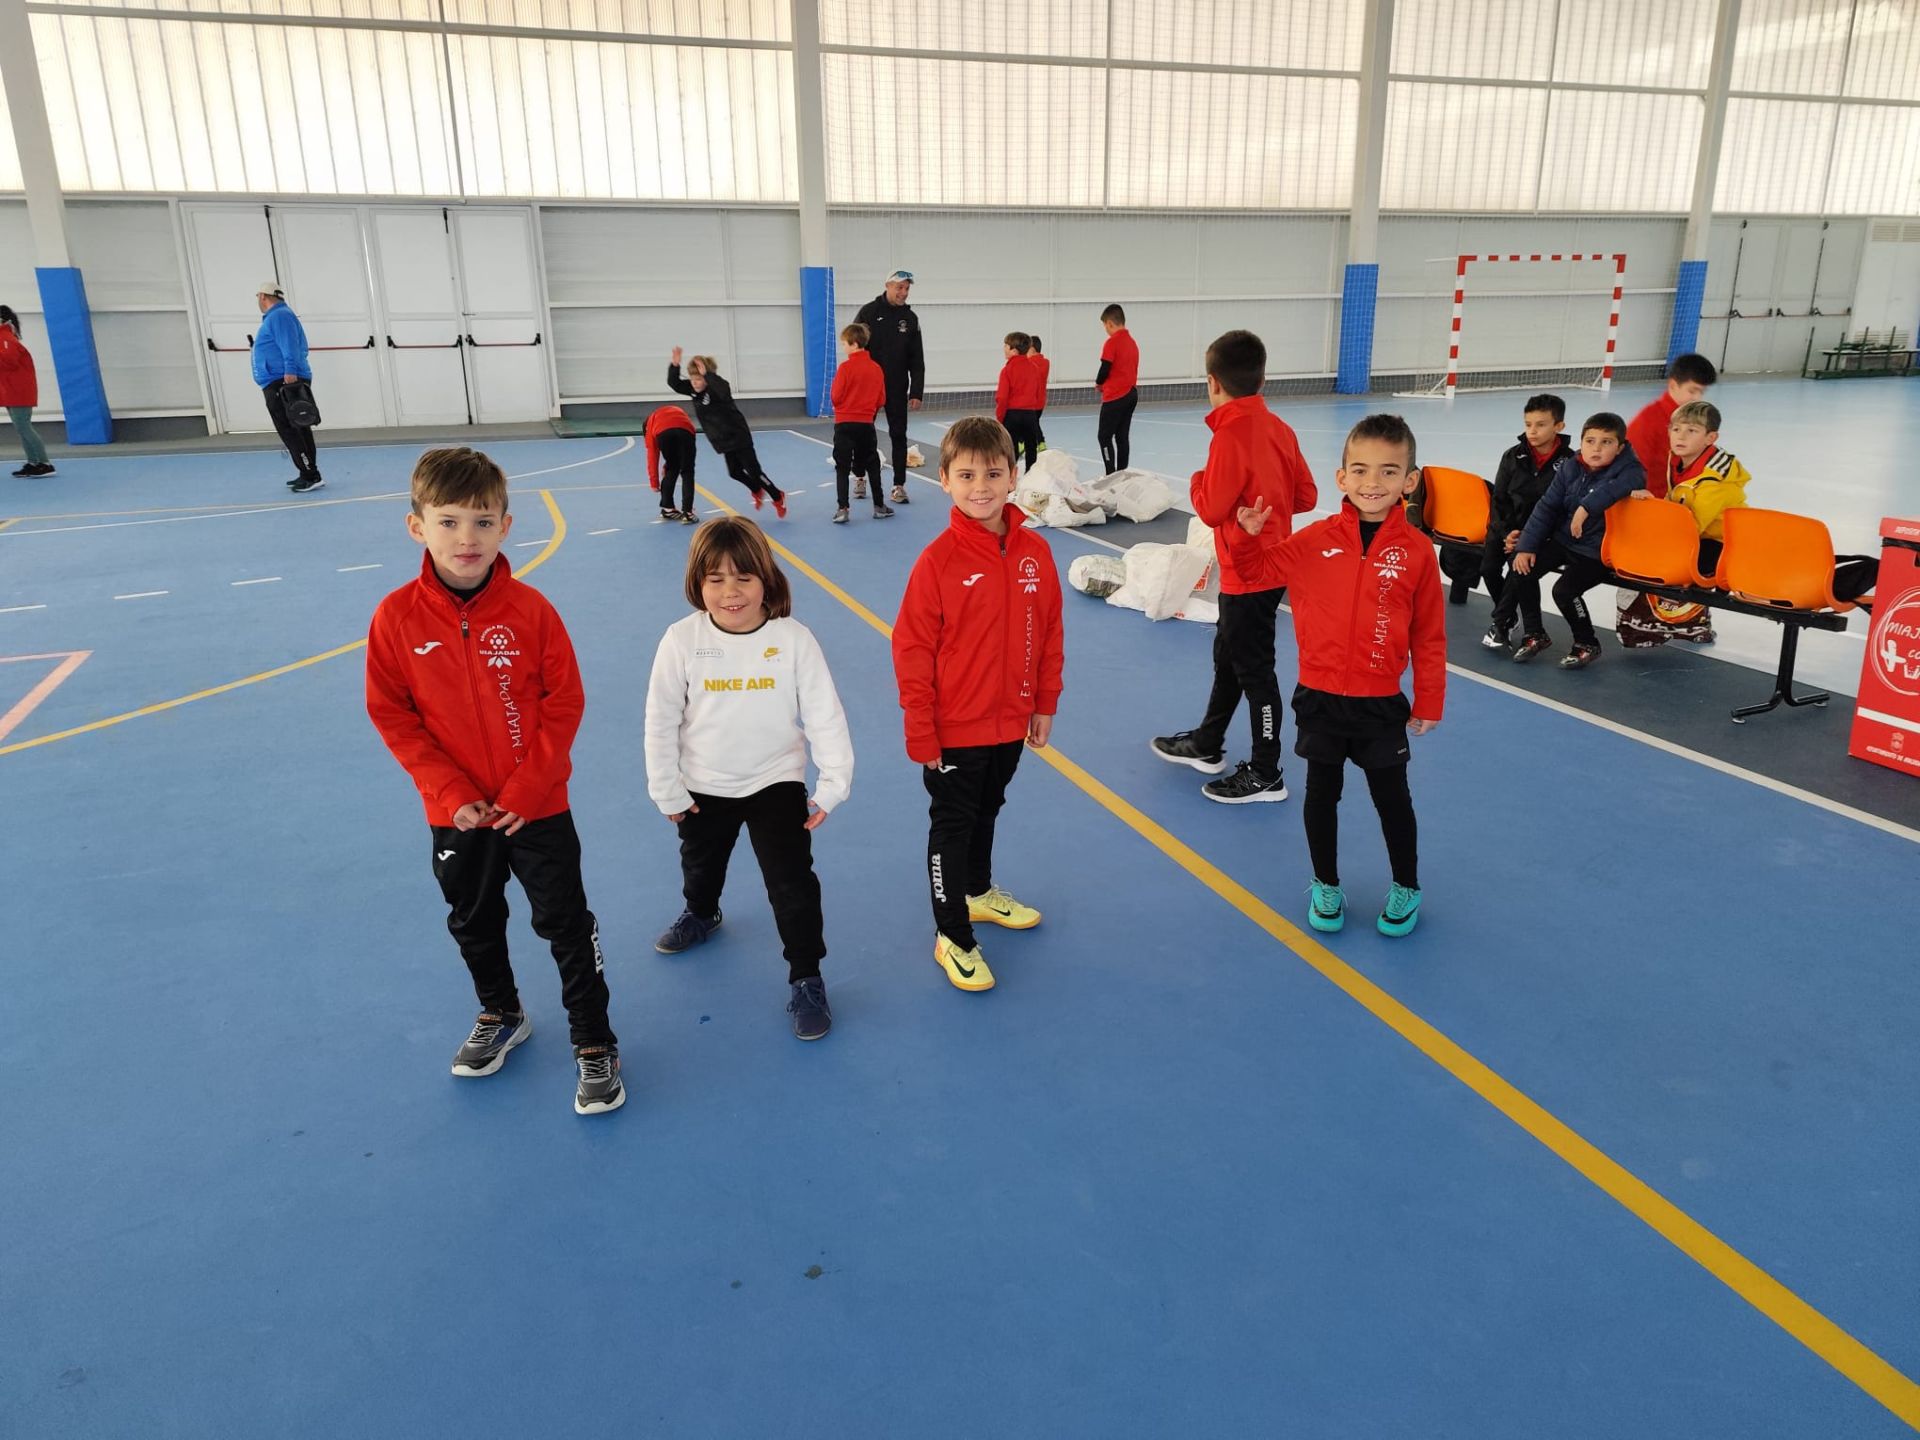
732,714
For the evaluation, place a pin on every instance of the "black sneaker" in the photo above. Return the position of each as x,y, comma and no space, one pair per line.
600,1089
668,517
1498,638
1579,657
1245,786
1180,749
687,517
494,1034
883,512
1530,646
45,467
26,472
812,1016
308,483
686,932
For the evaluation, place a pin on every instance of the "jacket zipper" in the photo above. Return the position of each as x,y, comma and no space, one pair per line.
473,694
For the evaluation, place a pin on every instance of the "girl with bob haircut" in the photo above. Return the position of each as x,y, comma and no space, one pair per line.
739,691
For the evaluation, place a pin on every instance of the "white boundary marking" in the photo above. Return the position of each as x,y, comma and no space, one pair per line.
263,580
16,609
1655,742
142,595
610,530
348,569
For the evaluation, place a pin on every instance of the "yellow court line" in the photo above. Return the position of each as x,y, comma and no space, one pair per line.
5,523
1888,1385
546,552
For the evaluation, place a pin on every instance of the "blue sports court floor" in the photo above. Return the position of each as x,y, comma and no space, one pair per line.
1622,1141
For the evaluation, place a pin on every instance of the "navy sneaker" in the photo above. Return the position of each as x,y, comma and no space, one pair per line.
600,1089
494,1034
1245,786
1181,749
812,1016
686,932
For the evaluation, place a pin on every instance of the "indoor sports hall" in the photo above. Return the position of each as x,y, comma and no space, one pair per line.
1621,1140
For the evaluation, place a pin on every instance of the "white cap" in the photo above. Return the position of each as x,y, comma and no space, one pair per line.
906,275
272,287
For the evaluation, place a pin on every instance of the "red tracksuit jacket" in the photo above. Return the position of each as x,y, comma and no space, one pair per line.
1647,437
978,646
1044,367
1254,453
667,417
1359,615
859,389
479,702
19,388
1021,388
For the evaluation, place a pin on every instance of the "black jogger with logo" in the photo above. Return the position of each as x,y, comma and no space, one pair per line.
967,791
1243,665
544,855
677,455
776,821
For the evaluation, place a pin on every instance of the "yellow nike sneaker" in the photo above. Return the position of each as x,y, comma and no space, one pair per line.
997,907
967,969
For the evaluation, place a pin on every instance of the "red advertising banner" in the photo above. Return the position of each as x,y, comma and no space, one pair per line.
1886,716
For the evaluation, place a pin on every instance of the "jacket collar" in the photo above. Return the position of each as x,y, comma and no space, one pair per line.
1561,446
1236,410
1682,474
438,594
1393,525
972,533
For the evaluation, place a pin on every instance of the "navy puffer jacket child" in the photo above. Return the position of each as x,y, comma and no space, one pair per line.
1574,487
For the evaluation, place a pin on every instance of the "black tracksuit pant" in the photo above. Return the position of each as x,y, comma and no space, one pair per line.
776,821
856,451
743,464
677,452
1024,427
966,794
897,413
472,868
1116,430
1243,665
297,438
1578,574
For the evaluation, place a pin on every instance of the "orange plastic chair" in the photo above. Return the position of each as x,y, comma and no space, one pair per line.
1459,505
1653,541
1776,558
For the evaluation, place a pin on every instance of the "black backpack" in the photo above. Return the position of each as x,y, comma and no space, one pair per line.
299,402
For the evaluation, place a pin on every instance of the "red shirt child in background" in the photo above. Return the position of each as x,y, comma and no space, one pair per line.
859,390
1687,380
1119,382
1045,367
1018,399
670,435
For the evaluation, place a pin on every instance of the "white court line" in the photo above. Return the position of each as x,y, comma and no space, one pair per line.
345,569
16,609
15,531
1655,742
611,530
523,544
263,580
142,595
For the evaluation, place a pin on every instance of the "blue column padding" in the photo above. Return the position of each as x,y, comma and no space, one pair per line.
1357,297
76,363
1690,293
818,343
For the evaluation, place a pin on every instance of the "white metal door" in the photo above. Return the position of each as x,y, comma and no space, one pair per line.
504,324
229,253
323,265
424,340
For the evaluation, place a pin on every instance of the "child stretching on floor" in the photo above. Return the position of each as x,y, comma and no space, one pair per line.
1366,594
739,691
977,653
726,428
670,438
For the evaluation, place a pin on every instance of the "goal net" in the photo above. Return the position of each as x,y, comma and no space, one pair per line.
1523,322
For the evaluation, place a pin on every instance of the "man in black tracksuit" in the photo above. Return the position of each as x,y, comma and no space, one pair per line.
894,343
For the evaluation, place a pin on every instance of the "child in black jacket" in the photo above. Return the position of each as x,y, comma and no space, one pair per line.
1523,476
725,427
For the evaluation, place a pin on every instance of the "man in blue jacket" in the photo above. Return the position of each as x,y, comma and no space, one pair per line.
280,360
1563,534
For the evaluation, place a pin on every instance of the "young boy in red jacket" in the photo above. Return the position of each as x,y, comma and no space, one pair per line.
1366,595
471,681
977,652
859,390
1118,379
1043,367
670,438
1687,381
1018,399
1254,457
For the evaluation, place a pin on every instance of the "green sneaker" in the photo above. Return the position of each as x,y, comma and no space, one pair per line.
1402,912
1328,909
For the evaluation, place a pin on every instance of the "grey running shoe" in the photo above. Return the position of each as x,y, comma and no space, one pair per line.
600,1088
494,1034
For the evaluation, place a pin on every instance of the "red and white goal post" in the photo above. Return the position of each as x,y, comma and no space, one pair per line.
1598,376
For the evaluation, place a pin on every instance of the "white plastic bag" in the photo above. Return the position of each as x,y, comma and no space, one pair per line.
1138,495
1097,575
1161,579
1052,495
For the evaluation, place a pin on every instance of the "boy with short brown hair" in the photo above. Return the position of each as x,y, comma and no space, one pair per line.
977,652
471,681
